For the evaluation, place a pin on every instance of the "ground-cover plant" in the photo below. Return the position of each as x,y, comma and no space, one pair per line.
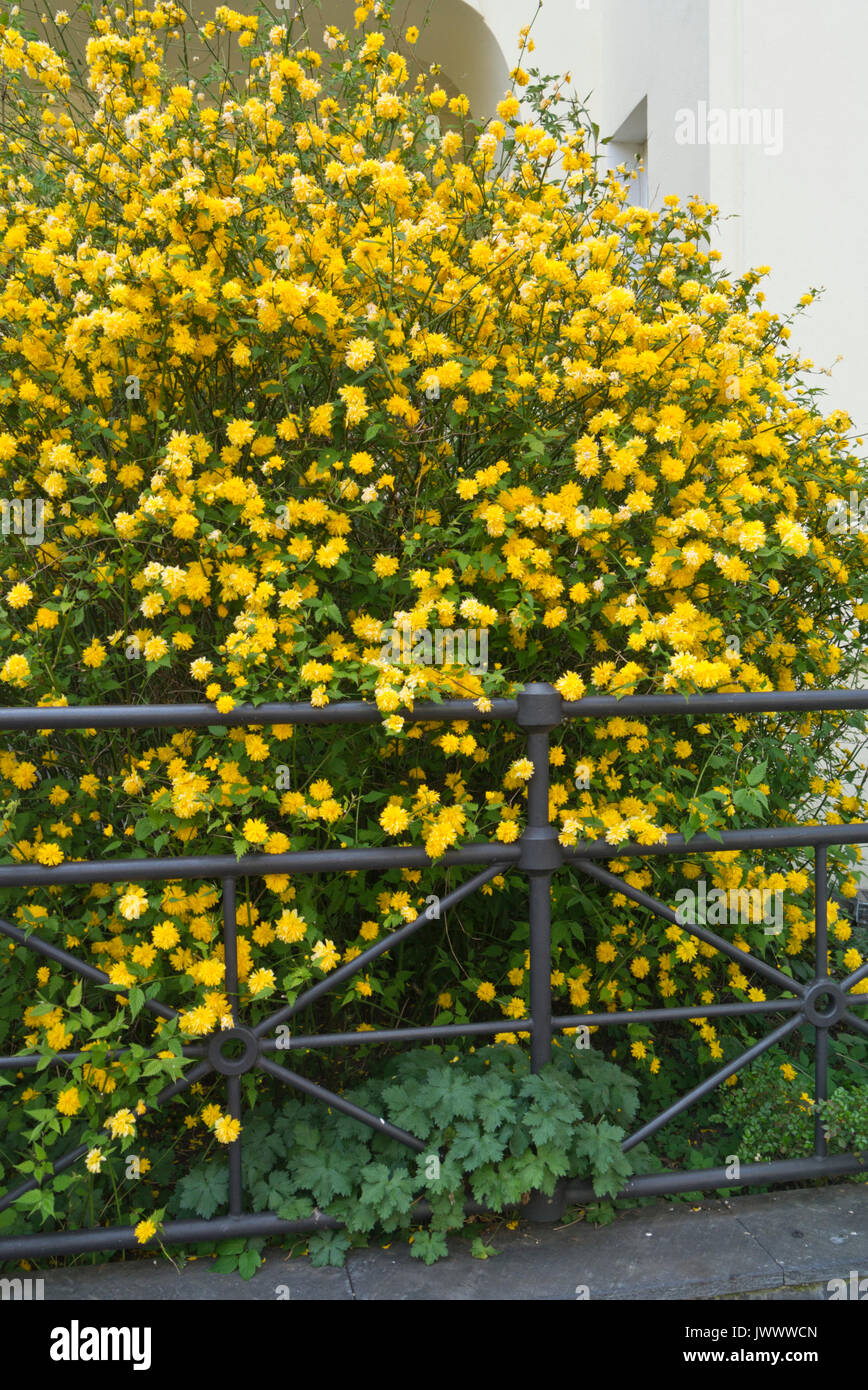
493,1131
844,1118
301,396
772,1115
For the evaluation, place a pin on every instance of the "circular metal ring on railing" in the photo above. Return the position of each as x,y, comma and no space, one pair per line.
233,1066
825,1003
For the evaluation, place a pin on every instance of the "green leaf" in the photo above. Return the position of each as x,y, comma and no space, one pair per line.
328,1248
204,1190
232,1247
757,774
480,1251
248,1263
429,1246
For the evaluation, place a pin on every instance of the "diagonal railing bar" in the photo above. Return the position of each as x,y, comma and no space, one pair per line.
727,948
24,1060
346,972
11,1196
854,978
310,1088
711,1082
61,1164
32,942
857,1023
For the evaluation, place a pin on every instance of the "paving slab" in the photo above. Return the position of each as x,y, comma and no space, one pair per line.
132,1280
654,1253
780,1246
823,1236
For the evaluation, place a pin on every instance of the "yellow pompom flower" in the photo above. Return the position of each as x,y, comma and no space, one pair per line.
145,1231
255,831
69,1101
227,1130
394,819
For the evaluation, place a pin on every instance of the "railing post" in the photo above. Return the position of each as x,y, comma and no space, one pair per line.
540,711
821,971
233,1083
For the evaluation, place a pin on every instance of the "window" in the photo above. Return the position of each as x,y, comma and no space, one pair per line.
629,146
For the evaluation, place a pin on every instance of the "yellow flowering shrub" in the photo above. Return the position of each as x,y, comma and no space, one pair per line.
308,395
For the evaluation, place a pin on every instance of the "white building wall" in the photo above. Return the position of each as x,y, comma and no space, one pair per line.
801,209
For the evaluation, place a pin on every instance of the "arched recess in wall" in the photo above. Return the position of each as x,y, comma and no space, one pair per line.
452,33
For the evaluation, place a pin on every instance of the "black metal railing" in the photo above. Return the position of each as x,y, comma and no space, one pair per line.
537,710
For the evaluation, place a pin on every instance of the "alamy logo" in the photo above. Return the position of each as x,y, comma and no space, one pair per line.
26,1290
844,520
444,647
739,125
23,517
857,1289
730,907
75,1343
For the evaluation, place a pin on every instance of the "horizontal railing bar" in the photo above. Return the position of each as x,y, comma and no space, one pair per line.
704,1179
738,702
409,857
192,716
191,1232
255,865
311,1041
783,837
264,1224
199,716
680,1011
